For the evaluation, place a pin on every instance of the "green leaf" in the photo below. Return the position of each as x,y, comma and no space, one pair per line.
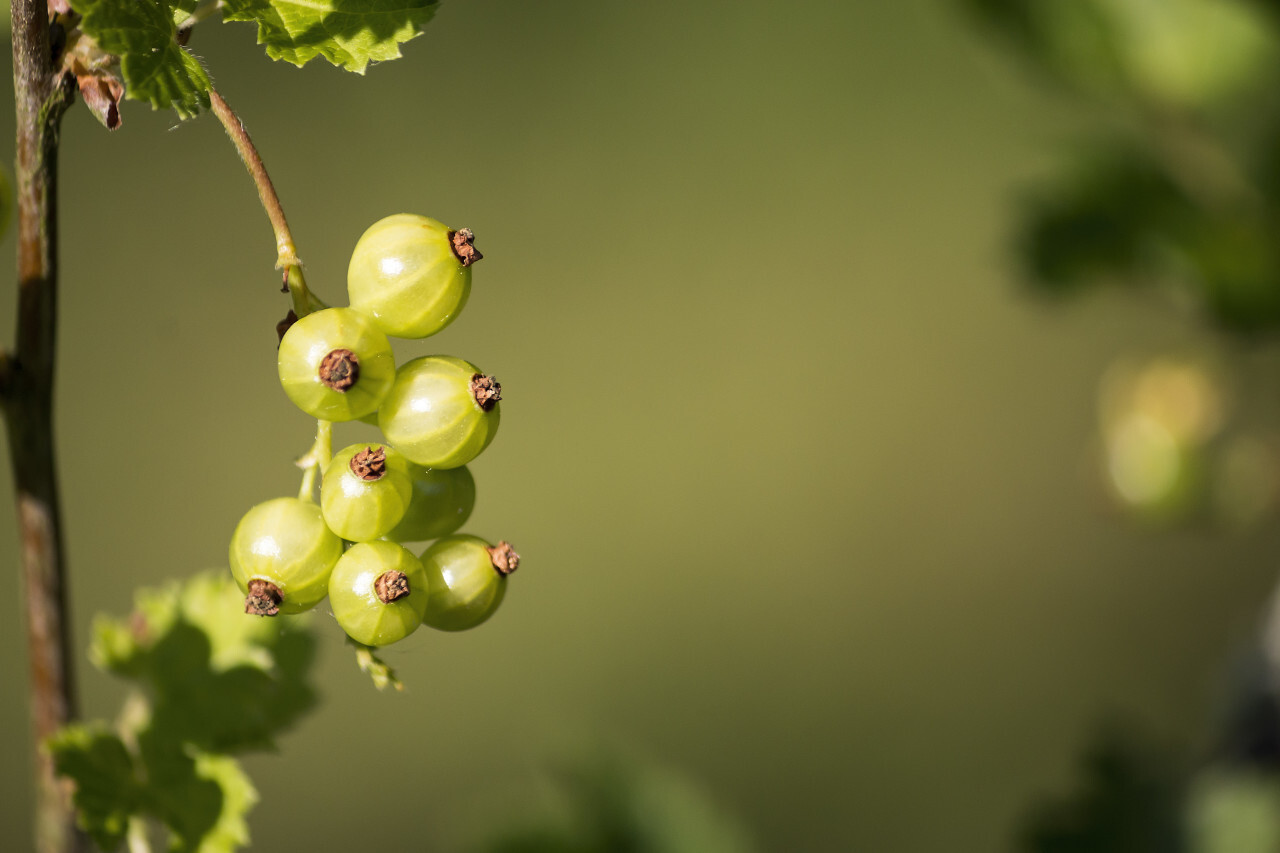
202,798
220,679
106,787
1182,53
348,33
613,802
154,66
1235,812
1129,800
182,10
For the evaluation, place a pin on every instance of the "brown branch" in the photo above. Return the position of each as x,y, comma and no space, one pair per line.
42,95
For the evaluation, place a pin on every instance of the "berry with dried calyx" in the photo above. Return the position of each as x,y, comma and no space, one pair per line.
441,412
411,274
378,592
365,491
335,364
468,580
281,555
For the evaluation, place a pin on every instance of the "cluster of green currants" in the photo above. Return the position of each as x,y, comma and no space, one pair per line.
409,277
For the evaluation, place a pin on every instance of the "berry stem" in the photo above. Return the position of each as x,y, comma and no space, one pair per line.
316,459
286,253
41,97
383,675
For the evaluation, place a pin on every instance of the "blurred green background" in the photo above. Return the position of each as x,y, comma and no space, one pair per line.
804,480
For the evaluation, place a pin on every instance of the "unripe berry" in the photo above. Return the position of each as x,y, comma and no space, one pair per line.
281,555
442,502
468,579
411,274
378,592
441,411
365,491
335,364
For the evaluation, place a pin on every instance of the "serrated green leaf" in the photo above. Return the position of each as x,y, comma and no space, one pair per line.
154,66
106,787
348,33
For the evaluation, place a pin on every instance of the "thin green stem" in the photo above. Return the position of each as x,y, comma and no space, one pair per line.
316,459
286,252
137,836
377,669
200,13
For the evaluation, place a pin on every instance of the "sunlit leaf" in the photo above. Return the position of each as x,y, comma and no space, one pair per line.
155,68
348,33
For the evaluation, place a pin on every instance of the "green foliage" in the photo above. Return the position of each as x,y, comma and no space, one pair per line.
1174,53
107,792
1235,813
1181,187
143,33
211,681
610,803
348,33
156,68
1129,801
1117,216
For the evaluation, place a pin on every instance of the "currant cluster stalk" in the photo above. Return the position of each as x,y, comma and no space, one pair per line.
26,392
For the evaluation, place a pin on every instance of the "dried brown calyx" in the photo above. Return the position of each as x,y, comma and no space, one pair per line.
370,464
285,325
263,599
463,250
391,585
486,390
504,558
339,370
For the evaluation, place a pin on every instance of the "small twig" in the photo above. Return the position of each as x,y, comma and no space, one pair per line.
286,252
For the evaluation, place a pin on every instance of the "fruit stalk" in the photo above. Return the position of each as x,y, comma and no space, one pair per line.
286,252
42,95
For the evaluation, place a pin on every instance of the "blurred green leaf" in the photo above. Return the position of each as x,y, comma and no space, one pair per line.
1097,220
348,33
1234,812
201,798
1129,801
1173,53
1119,217
617,805
106,788
154,66
219,678
213,680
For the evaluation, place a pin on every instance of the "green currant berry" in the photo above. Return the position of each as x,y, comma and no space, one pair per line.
281,555
378,592
441,411
411,274
335,364
442,502
365,491
467,578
